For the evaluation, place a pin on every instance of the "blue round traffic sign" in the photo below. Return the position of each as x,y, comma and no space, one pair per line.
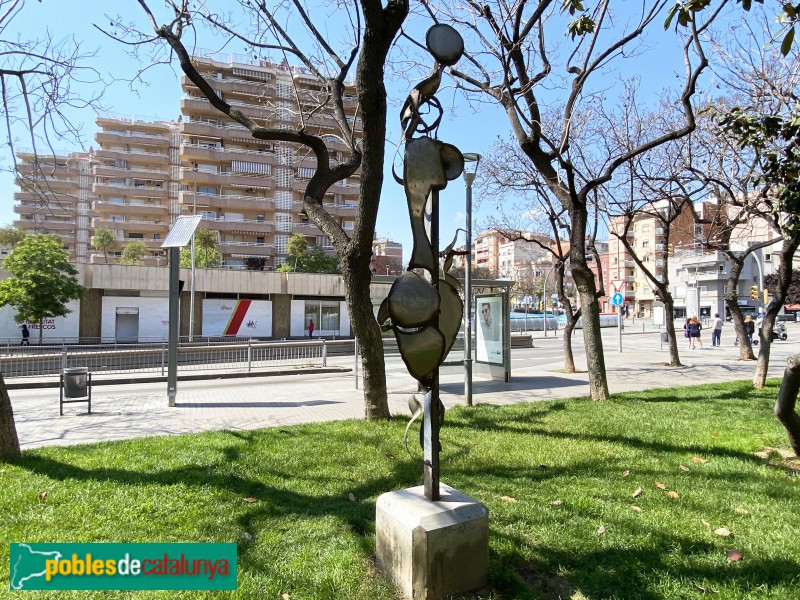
616,299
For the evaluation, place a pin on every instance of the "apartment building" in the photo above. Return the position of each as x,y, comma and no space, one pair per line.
387,257
145,173
55,198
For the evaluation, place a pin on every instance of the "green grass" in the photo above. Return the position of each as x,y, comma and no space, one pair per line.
306,538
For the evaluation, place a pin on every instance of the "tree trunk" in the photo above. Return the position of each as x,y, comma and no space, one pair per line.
9,442
787,398
669,311
370,343
732,302
572,319
780,290
566,340
590,308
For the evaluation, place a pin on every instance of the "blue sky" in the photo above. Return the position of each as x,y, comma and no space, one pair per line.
469,130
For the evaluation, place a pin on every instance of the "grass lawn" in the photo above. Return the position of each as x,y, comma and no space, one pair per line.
559,479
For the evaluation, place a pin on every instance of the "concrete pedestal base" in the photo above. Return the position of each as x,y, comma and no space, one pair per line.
432,549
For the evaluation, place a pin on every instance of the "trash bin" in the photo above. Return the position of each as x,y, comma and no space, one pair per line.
664,337
76,381
76,386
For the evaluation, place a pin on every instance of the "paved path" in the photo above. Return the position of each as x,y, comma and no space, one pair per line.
126,411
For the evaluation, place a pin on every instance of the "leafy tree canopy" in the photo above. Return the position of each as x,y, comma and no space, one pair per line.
42,279
133,253
11,235
104,240
206,253
793,295
307,259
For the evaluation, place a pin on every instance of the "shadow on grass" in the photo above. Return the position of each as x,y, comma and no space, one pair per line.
275,501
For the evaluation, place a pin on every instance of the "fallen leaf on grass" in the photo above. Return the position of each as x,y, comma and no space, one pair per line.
508,499
351,496
390,456
697,459
250,500
625,473
556,503
601,530
672,494
706,590
660,485
706,523
742,511
714,437
733,555
286,597
636,509
42,496
684,469
723,531
636,493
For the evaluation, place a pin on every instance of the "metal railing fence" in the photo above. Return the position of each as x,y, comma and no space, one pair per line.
151,357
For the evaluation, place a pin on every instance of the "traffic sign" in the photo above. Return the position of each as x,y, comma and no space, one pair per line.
617,299
618,284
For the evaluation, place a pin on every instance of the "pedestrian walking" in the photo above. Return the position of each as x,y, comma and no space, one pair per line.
686,332
694,333
311,329
716,332
26,334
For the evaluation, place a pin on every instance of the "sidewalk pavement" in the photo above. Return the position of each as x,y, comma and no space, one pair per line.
140,409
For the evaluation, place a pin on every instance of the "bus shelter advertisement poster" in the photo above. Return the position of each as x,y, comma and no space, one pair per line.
489,332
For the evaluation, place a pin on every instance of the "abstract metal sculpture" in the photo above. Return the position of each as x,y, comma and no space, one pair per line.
425,312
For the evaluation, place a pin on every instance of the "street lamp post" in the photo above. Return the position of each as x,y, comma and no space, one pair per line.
470,158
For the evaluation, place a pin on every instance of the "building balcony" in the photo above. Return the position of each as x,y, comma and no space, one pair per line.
212,130
246,249
228,201
151,244
45,210
307,229
120,122
131,224
133,157
243,226
138,138
132,172
192,177
216,154
52,184
101,208
347,209
140,191
46,225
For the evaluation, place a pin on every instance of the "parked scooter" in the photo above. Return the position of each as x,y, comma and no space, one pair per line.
778,333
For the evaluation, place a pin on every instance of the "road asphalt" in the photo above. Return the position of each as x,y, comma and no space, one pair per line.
140,409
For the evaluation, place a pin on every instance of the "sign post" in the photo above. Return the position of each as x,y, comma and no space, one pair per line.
617,299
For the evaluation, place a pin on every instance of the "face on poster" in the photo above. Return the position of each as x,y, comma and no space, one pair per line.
489,330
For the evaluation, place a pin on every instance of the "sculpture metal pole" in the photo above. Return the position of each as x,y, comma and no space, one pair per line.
425,313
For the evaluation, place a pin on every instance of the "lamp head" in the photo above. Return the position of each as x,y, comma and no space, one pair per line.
471,162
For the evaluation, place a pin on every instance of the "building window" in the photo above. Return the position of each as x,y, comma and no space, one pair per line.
768,258
283,200
280,244
284,178
283,222
284,155
326,315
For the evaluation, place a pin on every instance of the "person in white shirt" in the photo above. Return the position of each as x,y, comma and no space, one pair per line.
716,332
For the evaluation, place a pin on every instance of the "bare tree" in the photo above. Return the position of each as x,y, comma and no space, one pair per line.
38,78
512,62
766,128
509,172
295,33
